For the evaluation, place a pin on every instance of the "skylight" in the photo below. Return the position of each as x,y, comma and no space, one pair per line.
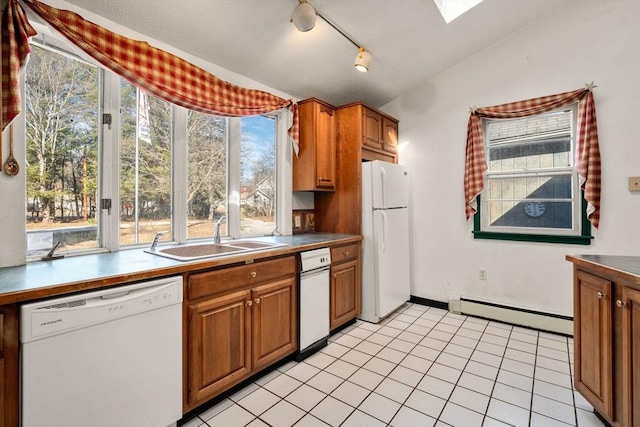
451,9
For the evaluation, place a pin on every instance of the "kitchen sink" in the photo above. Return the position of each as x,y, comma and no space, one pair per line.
197,251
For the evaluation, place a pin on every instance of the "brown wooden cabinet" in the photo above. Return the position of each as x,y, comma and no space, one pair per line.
607,336
239,320
314,169
345,289
9,366
362,134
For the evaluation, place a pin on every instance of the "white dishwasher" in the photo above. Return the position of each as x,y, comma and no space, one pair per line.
314,300
109,358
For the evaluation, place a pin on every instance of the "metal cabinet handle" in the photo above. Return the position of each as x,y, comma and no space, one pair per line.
249,303
254,274
621,304
601,295
257,300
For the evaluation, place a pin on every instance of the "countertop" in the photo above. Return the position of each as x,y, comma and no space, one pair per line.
72,274
627,266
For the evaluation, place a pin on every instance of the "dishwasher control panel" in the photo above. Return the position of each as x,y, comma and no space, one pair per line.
315,259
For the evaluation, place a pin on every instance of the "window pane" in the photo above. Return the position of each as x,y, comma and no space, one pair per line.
61,152
145,166
207,170
257,175
538,142
546,203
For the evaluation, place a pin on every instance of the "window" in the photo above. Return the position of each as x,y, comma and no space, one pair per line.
178,171
531,186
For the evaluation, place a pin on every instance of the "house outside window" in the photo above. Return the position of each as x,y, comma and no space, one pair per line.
532,190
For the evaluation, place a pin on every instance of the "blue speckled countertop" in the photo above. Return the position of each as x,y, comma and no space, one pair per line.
48,278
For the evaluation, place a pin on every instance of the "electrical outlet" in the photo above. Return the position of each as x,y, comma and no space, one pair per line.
483,274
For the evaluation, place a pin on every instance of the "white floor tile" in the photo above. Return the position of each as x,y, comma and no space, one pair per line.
282,385
379,366
310,421
498,340
553,377
411,337
325,382
553,409
553,364
320,360
241,394
356,357
380,339
452,361
522,346
334,349
233,416
394,390
368,348
194,422
588,419
517,367
551,336
216,409
417,329
458,350
520,336
360,419
481,370
581,402
474,326
350,393
429,324
305,397
404,317
406,376
444,327
538,420
520,356
407,417
425,352
476,383
397,324
433,343
370,326
379,407
512,395
282,414
425,403
341,369
257,423
487,359
268,377
515,380
496,350
389,331
458,416
469,399
436,386
562,355
332,411
508,413
400,345
445,373
554,344
360,333
416,363
552,391
440,335
259,401
490,422
391,355
366,378
473,334
303,372
348,341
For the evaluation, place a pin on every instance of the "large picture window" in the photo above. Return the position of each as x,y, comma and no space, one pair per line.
178,171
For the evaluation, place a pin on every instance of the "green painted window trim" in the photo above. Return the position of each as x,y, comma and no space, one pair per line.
584,238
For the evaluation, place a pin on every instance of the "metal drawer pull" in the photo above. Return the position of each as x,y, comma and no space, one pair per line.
601,295
257,300
346,253
621,304
249,303
254,274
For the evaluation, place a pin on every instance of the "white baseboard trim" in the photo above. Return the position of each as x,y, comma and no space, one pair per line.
516,315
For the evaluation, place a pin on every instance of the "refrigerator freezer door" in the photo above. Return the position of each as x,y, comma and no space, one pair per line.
390,185
391,241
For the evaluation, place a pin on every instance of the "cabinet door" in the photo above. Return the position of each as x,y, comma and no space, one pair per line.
372,126
389,135
325,148
630,303
275,324
219,344
593,341
344,294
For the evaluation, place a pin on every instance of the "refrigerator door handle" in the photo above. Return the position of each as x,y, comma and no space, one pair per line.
384,231
383,186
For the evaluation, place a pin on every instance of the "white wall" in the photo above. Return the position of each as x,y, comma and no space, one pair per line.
580,42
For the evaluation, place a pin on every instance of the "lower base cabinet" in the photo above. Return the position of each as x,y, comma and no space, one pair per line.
607,341
234,334
345,292
9,366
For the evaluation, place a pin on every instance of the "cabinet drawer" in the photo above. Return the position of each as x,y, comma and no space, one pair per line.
227,279
344,253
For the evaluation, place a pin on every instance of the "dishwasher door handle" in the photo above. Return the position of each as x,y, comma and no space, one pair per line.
312,273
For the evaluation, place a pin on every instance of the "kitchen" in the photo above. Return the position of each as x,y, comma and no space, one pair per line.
538,59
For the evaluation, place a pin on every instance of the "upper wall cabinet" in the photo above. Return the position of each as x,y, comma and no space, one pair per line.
315,167
378,132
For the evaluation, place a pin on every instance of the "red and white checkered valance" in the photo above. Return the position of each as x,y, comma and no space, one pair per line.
161,73
15,48
587,149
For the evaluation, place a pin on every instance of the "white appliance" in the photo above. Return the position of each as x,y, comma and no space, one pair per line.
314,300
109,358
385,227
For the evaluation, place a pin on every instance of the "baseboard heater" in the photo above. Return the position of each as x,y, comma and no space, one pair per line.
550,322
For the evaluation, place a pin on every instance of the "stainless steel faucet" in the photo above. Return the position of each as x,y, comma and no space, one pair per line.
154,243
216,231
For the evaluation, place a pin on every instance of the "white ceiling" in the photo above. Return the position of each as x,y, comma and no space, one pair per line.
408,39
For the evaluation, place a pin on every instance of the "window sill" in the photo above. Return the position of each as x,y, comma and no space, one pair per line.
544,238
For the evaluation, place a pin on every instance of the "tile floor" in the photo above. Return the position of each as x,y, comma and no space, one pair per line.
423,367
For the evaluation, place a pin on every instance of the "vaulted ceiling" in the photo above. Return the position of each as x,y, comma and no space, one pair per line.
408,39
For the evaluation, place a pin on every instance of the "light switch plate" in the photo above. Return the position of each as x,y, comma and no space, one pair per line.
634,183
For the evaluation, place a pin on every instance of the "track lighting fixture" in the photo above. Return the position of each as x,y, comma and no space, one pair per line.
304,19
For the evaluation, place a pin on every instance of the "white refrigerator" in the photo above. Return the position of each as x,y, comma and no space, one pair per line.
385,227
